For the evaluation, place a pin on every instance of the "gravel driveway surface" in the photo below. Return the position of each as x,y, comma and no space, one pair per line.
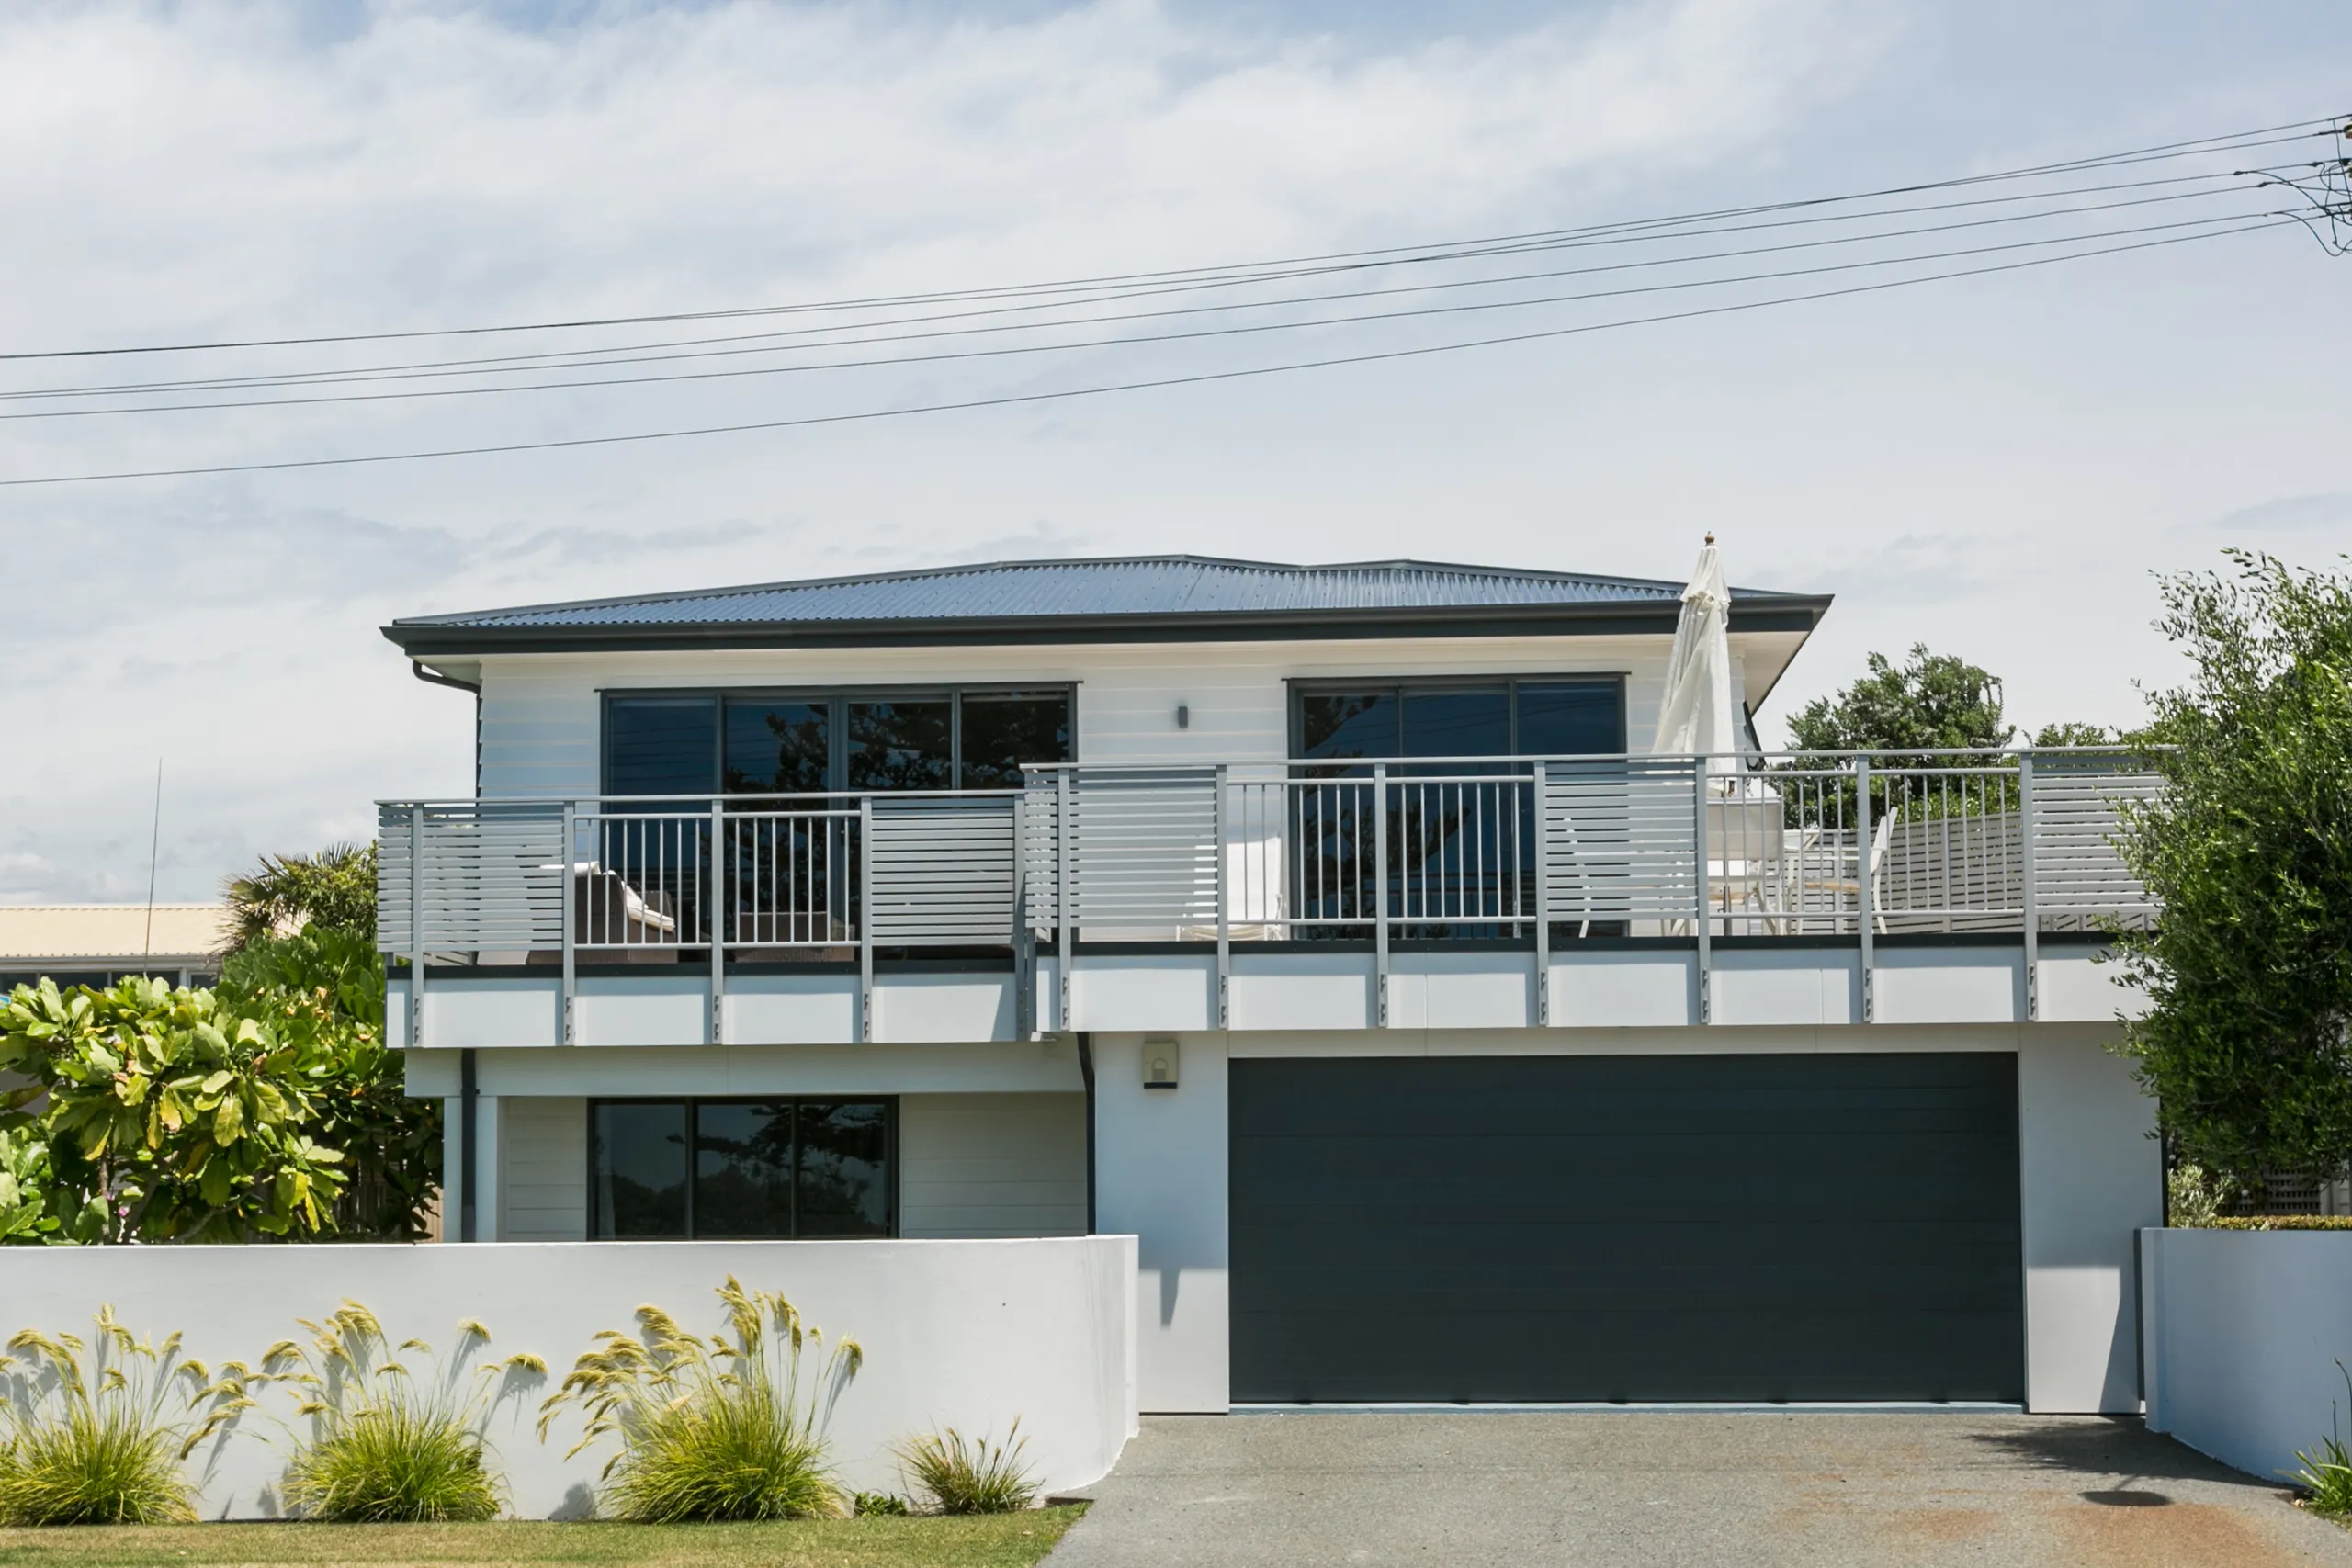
1684,1489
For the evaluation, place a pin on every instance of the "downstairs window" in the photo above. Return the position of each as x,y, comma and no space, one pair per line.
742,1169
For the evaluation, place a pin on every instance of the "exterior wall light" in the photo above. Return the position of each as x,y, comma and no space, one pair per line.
1183,715
1159,1063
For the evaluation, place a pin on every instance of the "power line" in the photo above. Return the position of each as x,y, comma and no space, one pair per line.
2232,141
1196,379
1138,340
765,343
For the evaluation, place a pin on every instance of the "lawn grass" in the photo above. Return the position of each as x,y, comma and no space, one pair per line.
1002,1540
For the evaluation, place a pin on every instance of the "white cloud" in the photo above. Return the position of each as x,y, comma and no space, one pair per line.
213,169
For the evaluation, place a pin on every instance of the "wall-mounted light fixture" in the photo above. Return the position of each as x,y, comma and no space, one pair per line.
1159,1062
1183,715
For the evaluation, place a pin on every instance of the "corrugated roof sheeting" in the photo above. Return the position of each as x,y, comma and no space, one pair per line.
1145,586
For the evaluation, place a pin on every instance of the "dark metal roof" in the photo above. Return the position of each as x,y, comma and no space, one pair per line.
1127,598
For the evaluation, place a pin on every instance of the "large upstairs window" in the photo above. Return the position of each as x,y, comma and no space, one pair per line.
753,743
1552,717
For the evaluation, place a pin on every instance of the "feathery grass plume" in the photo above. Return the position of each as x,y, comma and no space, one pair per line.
713,1429
384,1445
970,1475
98,1433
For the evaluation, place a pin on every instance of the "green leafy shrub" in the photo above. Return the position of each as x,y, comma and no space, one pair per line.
35,1207
717,1429
970,1475
384,1445
879,1505
96,1435
2279,1223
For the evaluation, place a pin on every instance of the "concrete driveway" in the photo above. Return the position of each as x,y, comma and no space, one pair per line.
1823,1491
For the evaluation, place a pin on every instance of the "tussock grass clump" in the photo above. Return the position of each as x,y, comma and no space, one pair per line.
2325,1477
385,1446
970,1475
724,1429
97,1434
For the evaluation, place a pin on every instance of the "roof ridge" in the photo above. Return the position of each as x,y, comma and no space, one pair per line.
1204,565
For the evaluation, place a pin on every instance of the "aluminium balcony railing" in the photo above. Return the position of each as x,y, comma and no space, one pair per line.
1536,851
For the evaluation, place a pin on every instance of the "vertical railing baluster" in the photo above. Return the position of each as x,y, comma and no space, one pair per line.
1380,892
715,924
2028,912
1065,900
1704,926
1543,907
1864,893
1224,905
416,925
570,949
865,863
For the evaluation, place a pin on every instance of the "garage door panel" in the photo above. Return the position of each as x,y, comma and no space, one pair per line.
1603,1228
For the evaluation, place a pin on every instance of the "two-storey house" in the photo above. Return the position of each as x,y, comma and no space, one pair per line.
1335,930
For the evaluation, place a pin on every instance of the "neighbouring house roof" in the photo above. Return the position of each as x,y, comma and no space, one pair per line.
90,932
1133,598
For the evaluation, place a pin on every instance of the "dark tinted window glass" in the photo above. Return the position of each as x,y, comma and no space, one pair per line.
743,1170
1348,724
661,746
777,748
1458,724
844,1188
640,1170
902,745
1003,730
1570,720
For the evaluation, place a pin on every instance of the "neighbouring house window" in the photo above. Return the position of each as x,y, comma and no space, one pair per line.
752,743
740,1170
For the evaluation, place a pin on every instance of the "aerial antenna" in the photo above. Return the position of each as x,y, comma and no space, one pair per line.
154,843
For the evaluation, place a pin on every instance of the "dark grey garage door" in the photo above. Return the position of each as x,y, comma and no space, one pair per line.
1573,1228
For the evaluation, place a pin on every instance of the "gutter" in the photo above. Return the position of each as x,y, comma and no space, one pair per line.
1778,612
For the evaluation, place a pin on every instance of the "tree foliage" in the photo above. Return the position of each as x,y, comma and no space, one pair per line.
1932,701
2249,851
334,888
267,1106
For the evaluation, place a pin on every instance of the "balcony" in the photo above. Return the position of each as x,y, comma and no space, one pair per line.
1415,892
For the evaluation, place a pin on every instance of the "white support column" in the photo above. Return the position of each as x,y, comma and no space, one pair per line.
453,1165
1160,1173
490,1198
2089,1176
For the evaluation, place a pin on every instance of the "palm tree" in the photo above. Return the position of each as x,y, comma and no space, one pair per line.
335,887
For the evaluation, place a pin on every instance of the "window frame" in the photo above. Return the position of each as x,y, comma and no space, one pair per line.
692,1104
835,701
1406,686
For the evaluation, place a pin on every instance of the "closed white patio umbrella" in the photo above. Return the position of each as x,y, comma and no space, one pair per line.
1699,715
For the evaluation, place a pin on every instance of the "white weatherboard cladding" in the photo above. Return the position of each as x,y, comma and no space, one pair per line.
543,1178
964,1333
991,1165
540,712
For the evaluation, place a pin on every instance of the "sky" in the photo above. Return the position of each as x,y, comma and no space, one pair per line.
1998,467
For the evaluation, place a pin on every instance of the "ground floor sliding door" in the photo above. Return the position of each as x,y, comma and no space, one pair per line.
1750,1228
